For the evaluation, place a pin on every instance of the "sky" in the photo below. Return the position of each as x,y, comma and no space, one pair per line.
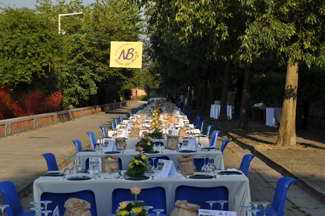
31,3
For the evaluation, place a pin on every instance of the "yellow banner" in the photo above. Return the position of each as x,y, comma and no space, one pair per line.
126,54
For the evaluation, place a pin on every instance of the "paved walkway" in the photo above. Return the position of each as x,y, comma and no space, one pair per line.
21,162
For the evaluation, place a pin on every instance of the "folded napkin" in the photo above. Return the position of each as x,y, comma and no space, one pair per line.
77,207
165,116
167,123
182,132
183,208
172,119
110,164
135,132
172,142
186,164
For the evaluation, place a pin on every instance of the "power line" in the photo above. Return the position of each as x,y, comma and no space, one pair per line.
4,5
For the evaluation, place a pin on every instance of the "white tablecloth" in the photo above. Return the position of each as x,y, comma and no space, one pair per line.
215,111
238,186
127,156
273,116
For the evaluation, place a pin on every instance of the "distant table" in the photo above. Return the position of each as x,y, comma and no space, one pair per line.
215,111
273,116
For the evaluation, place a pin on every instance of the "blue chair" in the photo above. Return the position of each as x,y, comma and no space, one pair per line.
116,121
189,115
78,145
121,118
185,113
197,122
208,130
51,162
279,198
198,163
224,144
198,195
196,119
156,161
59,198
10,197
245,162
92,139
128,115
113,125
153,196
213,140
104,131
132,112
202,124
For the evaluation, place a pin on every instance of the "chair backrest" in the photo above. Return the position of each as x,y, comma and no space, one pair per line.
279,198
153,196
189,115
11,198
113,125
202,124
104,130
197,122
198,195
245,162
59,198
213,141
156,161
92,139
51,162
132,112
78,145
116,121
208,130
127,114
198,163
121,118
183,109
224,144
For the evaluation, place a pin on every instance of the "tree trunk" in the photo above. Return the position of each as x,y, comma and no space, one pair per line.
243,119
204,95
287,130
224,96
212,82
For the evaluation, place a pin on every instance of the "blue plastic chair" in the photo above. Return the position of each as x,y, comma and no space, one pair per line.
132,112
189,115
121,118
51,162
198,195
153,196
78,145
198,163
224,144
116,121
197,122
279,198
113,125
59,198
214,137
92,139
196,119
208,130
245,162
156,161
11,198
104,131
202,124
127,114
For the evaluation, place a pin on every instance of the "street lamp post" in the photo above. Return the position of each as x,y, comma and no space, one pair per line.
68,14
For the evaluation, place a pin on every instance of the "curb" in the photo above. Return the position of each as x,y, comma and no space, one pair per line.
319,195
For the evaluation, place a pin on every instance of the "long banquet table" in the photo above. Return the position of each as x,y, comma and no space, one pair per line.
215,111
238,186
172,155
273,116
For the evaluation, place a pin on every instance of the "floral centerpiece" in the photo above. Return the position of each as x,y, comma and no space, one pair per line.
131,208
155,125
145,143
138,165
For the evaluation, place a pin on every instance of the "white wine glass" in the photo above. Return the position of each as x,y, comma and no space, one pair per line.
45,203
254,211
67,170
146,208
3,207
46,212
211,202
37,210
255,204
222,202
264,204
246,207
74,168
158,211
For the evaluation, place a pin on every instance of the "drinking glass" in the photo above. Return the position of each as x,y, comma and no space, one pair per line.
254,211
46,212
255,204
2,207
37,210
248,207
211,202
264,204
146,208
67,170
158,211
35,203
45,202
204,167
79,167
212,166
222,202
74,168
153,164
